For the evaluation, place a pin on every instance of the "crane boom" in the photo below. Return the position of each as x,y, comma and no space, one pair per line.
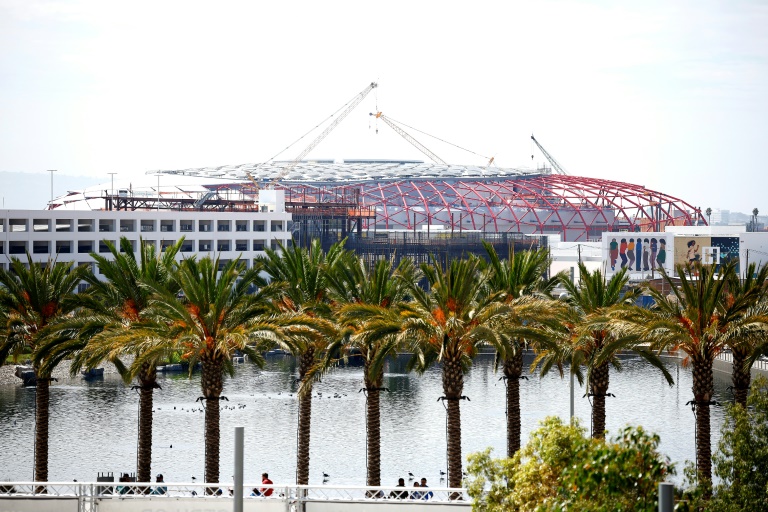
418,145
556,166
350,107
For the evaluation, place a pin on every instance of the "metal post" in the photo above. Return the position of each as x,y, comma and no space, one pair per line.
572,391
239,434
666,497
158,191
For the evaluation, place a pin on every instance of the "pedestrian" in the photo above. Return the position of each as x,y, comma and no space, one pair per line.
399,495
160,489
425,495
415,495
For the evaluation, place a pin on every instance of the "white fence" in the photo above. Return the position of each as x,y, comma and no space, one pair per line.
760,365
132,497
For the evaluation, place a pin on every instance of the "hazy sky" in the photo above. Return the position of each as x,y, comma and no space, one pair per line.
670,95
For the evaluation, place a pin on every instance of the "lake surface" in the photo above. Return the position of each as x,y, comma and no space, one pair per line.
93,425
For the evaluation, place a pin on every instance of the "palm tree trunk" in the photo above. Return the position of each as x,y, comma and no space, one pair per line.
148,382
42,401
598,387
212,386
305,417
741,377
513,370
373,428
703,389
453,386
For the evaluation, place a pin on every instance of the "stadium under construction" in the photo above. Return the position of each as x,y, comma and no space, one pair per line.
404,208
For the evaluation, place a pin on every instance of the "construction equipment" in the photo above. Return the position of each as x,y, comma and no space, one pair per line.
418,145
556,166
354,102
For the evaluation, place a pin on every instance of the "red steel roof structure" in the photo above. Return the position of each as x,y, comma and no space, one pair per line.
577,208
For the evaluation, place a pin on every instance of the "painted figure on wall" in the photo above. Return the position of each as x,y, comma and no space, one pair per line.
661,258
613,252
654,250
631,253
693,251
646,252
639,253
623,252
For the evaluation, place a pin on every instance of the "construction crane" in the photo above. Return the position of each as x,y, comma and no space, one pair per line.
556,166
418,145
354,102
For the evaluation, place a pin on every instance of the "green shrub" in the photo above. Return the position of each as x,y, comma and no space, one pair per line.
562,469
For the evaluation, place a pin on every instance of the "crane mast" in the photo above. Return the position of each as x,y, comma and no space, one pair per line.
418,145
556,166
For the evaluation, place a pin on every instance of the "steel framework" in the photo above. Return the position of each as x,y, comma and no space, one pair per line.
577,208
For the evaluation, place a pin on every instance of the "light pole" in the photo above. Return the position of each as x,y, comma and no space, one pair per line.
112,190
158,191
52,171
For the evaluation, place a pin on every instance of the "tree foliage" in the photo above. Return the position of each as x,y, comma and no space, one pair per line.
561,469
741,462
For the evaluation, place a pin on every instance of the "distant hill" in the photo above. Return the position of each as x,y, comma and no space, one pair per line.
32,191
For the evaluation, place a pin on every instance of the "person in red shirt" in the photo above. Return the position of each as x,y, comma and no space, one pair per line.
264,491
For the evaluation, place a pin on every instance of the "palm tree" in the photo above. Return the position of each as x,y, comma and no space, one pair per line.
695,319
446,324
212,316
709,214
749,296
299,279
112,313
591,341
366,301
755,211
32,296
521,275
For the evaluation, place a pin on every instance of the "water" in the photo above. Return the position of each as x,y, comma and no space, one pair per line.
93,425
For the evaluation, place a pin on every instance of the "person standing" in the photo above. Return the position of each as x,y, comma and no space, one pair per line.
399,495
425,495
415,495
160,489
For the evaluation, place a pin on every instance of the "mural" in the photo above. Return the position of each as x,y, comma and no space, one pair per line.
709,250
641,252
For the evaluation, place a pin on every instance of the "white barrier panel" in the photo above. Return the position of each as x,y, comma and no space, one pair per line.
197,504
392,506
38,504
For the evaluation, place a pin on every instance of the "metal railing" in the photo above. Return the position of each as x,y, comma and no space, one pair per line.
761,364
90,493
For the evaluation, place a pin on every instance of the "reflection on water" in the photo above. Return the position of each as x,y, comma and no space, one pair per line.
93,424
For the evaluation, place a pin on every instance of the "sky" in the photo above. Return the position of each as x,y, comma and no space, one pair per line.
669,95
